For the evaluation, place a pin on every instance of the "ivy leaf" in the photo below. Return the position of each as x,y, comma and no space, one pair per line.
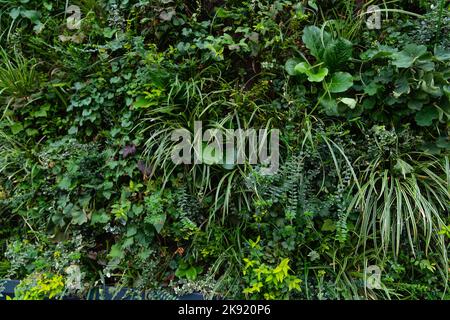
100,217
340,82
407,57
426,116
79,217
157,220
116,252
16,128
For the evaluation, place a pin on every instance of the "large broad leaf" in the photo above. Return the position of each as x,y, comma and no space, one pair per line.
315,40
290,66
143,103
442,54
305,68
337,53
407,57
302,68
401,87
340,82
318,76
426,116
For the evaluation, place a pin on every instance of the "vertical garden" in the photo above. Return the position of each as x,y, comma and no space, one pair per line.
357,206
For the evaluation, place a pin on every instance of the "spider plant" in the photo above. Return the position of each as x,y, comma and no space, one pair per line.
223,107
18,78
405,205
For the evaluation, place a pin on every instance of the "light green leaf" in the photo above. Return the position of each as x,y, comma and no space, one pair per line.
328,225
16,128
210,155
351,103
319,76
191,273
403,167
302,68
142,103
380,52
14,13
116,252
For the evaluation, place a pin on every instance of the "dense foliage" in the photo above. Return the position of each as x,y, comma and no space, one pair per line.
89,195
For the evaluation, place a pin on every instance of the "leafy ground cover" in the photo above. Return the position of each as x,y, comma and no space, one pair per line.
91,90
